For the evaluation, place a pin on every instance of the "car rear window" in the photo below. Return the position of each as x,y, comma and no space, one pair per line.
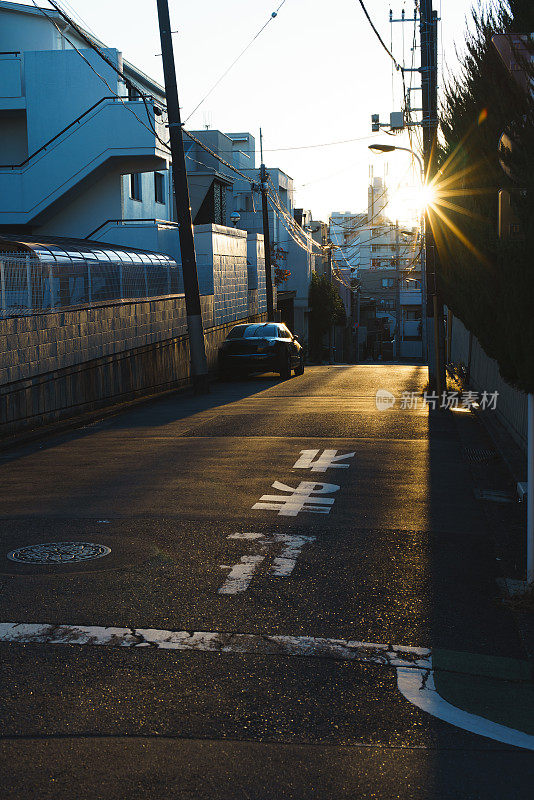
237,332
250,331
263,330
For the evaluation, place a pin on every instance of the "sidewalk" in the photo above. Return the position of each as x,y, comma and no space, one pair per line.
496,688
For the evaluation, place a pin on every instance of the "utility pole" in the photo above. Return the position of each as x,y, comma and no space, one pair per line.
331,331
266,237
397,292
197,351
429,86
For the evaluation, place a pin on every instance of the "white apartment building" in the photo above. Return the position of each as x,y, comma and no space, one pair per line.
83,155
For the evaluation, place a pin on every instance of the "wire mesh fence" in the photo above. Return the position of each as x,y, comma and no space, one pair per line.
31,285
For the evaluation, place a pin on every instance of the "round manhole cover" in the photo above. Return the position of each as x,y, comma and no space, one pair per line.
59,553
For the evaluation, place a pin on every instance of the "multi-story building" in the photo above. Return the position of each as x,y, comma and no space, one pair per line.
83,145
85,180
372,245
241,203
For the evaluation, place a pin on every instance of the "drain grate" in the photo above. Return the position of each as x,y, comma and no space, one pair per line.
58,553
494,495
479,455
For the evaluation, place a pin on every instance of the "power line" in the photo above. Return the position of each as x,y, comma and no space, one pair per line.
324,144
115,94
386,48
103,56
297,228
242,53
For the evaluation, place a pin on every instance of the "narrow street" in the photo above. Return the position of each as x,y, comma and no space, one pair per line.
388,547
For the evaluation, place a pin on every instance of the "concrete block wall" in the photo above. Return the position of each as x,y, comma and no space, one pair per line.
222,270
132,359
42,343
230,281
62,363
256,274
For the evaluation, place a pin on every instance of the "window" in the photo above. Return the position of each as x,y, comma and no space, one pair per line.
135,186
159,187
133,92
237,332
375,248
412,314
387,305
213,207
388,283
264,330
243,201
375,263
284,333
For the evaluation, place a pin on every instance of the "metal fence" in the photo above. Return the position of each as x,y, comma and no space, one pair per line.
29,284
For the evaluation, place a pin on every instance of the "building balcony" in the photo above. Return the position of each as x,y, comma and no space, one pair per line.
107,137
410,297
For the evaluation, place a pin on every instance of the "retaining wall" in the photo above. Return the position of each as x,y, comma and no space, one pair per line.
96,357
59,363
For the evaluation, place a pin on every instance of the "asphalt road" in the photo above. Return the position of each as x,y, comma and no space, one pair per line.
402,557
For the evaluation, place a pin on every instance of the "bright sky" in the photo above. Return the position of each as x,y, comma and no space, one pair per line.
314,75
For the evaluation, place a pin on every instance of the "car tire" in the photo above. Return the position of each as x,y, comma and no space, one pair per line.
300,369
224,373
285,365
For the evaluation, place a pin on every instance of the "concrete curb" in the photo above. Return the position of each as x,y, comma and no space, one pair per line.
494,688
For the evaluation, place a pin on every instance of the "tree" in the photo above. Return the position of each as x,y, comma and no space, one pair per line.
326,309
489,282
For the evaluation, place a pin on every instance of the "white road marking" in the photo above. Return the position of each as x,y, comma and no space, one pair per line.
327,460
417,686
241,574
413,664
303,498
284,564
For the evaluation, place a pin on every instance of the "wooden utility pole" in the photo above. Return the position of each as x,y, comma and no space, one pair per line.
266,237
199,365
429,85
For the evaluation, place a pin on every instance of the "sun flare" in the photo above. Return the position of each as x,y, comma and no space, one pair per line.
408,203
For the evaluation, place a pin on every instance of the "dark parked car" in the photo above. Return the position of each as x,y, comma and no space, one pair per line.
261,347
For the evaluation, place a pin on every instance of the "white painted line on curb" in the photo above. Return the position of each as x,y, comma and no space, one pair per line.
413,664
310,646
417,686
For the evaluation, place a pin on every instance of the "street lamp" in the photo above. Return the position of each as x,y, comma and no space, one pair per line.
388,148
435,370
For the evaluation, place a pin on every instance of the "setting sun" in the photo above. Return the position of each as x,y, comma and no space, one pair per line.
409,202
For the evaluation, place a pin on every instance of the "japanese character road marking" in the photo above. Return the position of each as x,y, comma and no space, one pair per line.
327,460
241,574
303,498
